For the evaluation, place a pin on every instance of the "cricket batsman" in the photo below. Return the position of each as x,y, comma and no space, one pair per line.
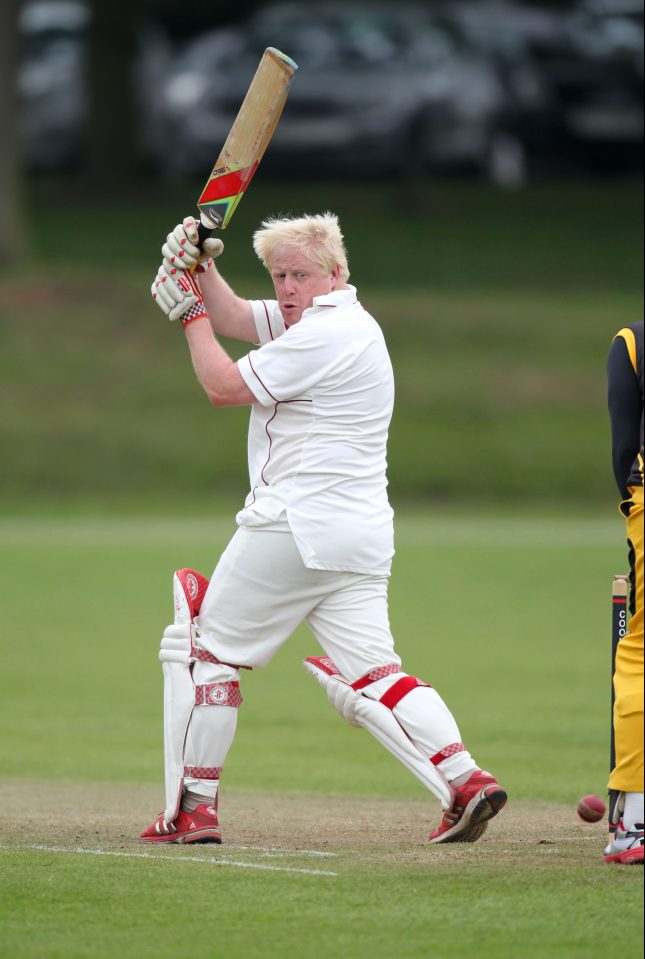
315,538
625,400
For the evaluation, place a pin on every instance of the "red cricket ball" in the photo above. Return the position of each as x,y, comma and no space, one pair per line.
591,808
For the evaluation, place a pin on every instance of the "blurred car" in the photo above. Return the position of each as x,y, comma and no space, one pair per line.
596,77
604,100
572,78
609,28
509,36
52,82
380,89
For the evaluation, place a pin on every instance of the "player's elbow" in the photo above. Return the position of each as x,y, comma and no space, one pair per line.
224,385
219,398
229,394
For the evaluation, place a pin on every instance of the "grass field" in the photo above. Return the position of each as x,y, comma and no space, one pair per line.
498,309
325,855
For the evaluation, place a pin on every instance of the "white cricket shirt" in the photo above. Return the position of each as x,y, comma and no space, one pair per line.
318,432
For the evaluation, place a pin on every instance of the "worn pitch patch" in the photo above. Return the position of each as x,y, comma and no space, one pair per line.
286,830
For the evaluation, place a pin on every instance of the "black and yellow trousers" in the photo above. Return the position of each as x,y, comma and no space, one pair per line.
627,776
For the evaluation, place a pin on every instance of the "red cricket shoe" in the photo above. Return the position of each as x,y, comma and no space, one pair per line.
477,801
201,825
626,846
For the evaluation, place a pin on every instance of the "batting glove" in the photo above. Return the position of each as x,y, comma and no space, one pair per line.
178,295
182,250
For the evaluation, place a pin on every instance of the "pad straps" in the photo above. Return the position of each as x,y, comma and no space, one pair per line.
397,690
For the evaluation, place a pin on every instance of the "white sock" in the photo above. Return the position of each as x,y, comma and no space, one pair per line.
191,800
463,779
633,812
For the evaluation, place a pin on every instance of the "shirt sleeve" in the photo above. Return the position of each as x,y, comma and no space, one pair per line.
268,321
288,367
625,406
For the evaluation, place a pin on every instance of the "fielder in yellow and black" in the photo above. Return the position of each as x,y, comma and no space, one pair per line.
625,398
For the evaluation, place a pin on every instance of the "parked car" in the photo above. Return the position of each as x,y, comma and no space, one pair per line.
572,78
381,88
600,82
608,28
52,82
509,36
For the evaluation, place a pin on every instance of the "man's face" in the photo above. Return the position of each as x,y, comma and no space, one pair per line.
297,280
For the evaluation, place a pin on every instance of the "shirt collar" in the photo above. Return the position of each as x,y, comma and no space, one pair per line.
343,297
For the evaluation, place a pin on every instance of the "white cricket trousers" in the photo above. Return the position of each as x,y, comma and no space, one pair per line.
261,591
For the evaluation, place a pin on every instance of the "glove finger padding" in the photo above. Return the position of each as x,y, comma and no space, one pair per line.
165,291
177,294
181,248
212,248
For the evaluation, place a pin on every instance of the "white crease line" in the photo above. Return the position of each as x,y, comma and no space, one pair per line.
147,855
268,851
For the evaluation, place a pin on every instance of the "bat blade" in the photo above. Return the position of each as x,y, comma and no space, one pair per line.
247,140
619,594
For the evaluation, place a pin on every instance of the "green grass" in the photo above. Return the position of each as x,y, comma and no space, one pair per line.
161,909
498,397
498,310
569,234
534,592
506,614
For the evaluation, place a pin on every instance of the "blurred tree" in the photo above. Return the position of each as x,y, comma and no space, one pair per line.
111,138
11,234
112,148
186,20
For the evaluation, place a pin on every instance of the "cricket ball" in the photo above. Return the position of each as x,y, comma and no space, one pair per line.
591,808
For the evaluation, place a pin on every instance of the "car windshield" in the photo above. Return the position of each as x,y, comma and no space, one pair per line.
54,45
600,35
351,36
499,28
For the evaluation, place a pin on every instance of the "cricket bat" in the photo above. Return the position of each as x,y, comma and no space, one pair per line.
247,141
619,592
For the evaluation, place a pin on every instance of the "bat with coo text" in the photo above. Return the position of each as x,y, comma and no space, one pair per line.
619,617
248,139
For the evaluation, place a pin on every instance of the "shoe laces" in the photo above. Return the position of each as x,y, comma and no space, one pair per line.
454,814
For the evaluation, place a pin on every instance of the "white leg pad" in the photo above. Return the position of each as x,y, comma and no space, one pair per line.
179,701
211,729
382,724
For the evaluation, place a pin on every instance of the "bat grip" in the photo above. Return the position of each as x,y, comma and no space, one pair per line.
204,232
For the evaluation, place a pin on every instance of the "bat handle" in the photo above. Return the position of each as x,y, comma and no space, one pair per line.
204,232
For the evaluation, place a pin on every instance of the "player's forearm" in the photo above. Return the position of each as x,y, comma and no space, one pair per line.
230,315
217,373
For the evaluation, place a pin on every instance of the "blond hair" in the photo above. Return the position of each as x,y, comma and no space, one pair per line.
317,237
